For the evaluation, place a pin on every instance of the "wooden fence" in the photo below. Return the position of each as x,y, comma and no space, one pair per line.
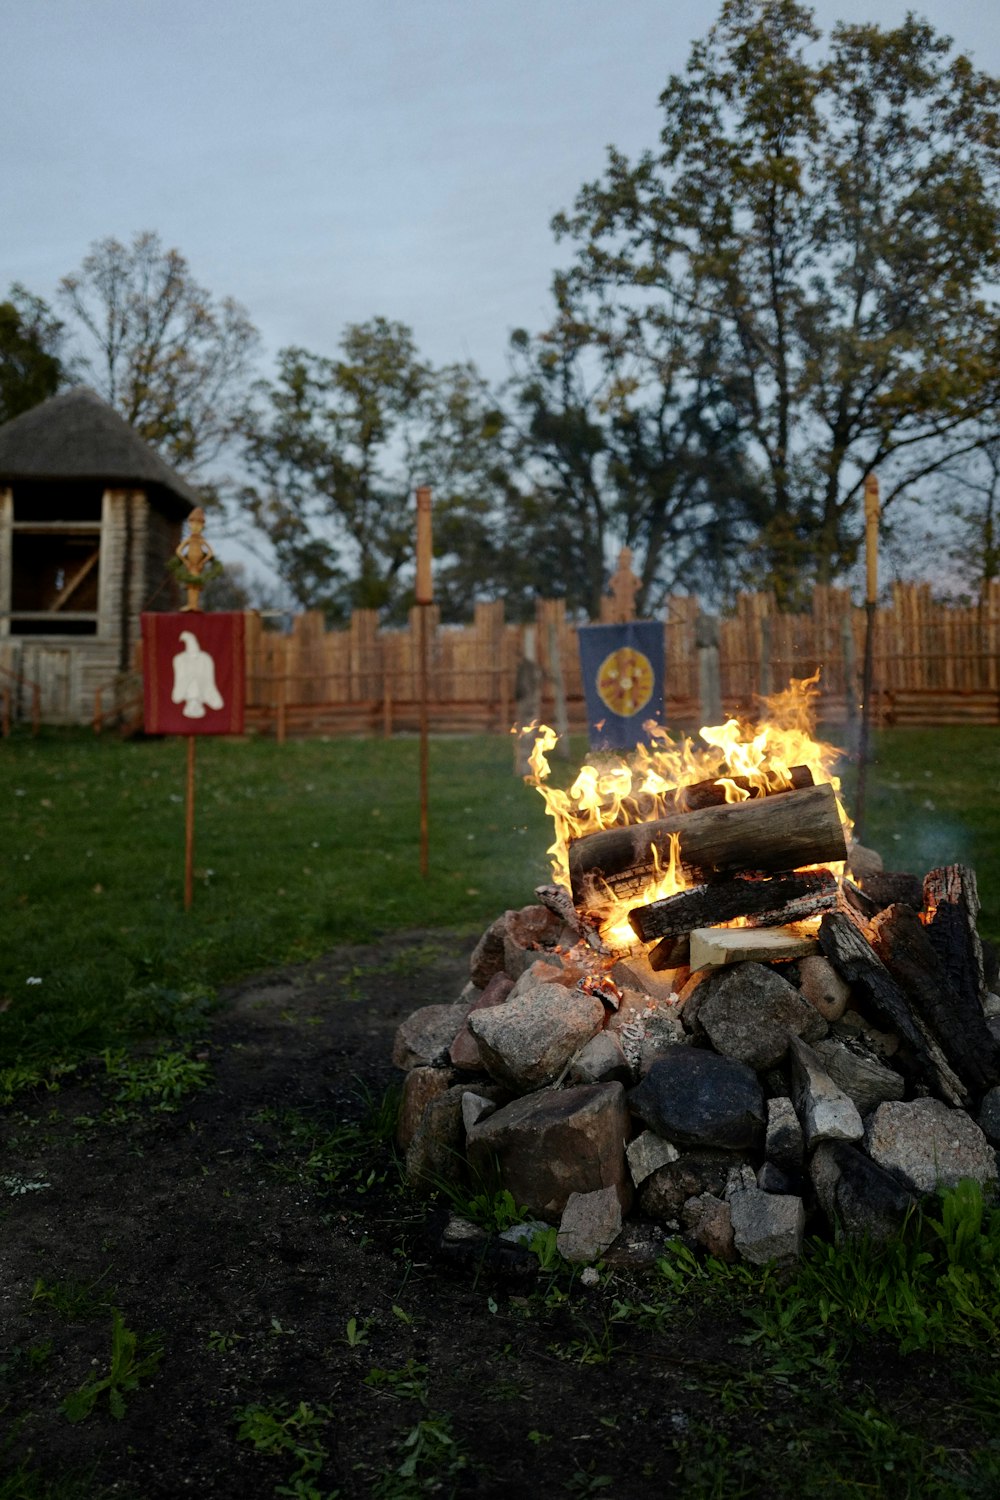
933,664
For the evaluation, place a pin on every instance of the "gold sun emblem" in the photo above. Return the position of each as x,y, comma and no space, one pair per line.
625,681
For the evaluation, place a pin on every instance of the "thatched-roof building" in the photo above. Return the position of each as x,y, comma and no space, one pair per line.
89,518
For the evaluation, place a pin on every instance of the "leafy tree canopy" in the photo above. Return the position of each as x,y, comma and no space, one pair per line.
815,241
336,448
31,369
169,357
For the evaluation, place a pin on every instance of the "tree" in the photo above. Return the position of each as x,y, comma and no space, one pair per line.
31,369
831,227
170,358
337,447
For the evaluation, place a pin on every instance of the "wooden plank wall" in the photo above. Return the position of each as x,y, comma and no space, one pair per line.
933,664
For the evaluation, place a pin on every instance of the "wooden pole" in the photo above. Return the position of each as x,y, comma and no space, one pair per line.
424,594
189,827
871,599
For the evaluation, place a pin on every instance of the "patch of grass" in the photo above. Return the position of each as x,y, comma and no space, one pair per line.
74,1301
158,1082
432,1461
91,871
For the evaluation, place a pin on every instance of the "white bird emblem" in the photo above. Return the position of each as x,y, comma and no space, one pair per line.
194,679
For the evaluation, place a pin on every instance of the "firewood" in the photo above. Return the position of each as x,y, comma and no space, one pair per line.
560,902
889,887
670,953
713,946
845,944
951,898
773,902
767,834
901,942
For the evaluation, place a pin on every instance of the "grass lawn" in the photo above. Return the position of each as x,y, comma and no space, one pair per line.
307,845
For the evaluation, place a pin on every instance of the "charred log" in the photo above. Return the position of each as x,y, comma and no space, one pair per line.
849,951
768,902
767,834
710,793
892,887
951,898
901,942
670,953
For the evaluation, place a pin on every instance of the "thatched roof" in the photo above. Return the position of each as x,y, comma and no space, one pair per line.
77,435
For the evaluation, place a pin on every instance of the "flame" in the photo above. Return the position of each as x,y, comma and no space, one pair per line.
644,785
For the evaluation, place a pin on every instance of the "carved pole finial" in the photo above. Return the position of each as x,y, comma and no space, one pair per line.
195,554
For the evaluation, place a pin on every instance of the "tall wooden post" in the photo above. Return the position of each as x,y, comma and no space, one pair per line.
871,599
424,595
195,554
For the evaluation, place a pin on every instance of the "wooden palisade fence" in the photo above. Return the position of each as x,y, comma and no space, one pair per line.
934,664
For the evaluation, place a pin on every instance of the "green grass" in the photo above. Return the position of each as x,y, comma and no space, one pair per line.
313,844
299,848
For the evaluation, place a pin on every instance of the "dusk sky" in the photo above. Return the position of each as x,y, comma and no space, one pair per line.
326,161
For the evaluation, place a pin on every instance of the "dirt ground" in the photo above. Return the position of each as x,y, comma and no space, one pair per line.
260,1285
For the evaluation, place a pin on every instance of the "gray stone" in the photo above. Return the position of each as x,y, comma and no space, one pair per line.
928,1146
459,1231
771,1179
425,1036
420,1086
476,1107
590,1223
695,1098
858,1197
464,1050
525,933
600,1060
989,1116
526,1043
853,1025
784,1143
645,1026
823,987
664,1192
523,1234
647,1153
855,1068
556,1142
991,1005
634,973
487,956
826,1112
709,1221
436,1152
544,971
766,1227
750,1015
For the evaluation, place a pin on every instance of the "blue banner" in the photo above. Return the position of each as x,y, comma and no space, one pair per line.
622,669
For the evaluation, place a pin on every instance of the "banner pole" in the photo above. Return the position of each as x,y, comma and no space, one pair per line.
871,599
189,827
424,594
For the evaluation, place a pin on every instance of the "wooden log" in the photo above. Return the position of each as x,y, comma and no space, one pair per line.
640,807
901,942
713,946
768,834
951,899
559,901
845,944
889,887
768,902
670,953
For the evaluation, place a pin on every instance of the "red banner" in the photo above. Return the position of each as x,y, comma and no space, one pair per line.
194,673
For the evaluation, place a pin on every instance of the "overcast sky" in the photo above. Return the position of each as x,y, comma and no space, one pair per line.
324,161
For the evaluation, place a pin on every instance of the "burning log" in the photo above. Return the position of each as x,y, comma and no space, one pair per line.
854,959
901,942
770,834
711,793
764,902
559,901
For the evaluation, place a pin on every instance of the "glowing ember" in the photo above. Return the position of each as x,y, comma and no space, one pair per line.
645,784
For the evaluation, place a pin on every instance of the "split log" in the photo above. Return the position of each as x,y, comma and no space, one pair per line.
951,899
711,947
670,953
901,942
769,834
848,949
560,902
893,887
765,902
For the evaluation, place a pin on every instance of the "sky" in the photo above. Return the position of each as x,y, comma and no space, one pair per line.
328,161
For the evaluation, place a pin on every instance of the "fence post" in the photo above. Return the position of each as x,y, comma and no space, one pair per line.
706,639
